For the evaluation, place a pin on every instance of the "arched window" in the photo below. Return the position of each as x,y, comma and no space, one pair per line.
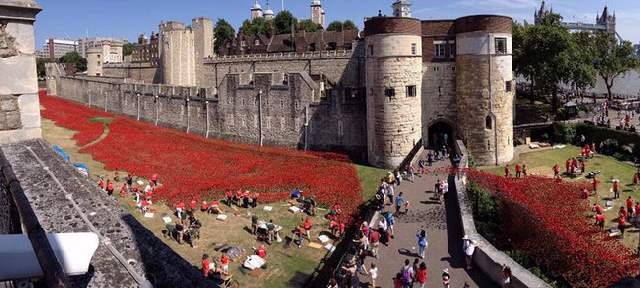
488,122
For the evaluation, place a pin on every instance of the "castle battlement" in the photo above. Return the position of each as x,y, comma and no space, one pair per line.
283,56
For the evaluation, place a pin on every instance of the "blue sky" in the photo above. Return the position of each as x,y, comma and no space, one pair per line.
128,18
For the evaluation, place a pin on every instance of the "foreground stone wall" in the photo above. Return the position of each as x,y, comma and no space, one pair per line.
487,257
19,106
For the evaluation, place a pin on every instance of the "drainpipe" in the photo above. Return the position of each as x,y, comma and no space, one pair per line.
260,116
495,124
206,109
138,106
188,126
306,127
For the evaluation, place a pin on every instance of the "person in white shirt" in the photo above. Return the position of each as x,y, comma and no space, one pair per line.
373,272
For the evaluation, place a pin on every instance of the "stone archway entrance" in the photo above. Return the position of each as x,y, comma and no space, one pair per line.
440,133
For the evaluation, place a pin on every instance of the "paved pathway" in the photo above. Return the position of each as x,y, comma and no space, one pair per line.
443,232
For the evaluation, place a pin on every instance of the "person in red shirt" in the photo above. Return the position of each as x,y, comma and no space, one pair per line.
594,184
109,187
621,224
506,171
556,171
204,206
262,252
421,275
205,265
635,178
622,213
593,147
123,190
567,165
224,263
374,241
629,206
307,225
144,206
193,205
637,209
101,183
584,193
600,221
616,189
518,170
597,208
179,210
154,179
583,166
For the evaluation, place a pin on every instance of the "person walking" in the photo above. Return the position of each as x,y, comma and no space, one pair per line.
421,275
373,273
407,274
469,247
399,203
422,242
398,177
390,221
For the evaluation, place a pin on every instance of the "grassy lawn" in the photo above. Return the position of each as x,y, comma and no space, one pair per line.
369,179
540,162
287,266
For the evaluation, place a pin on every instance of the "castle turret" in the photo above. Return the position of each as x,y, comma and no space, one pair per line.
203,45
268,14
485,87
177,54
317,12
402,8
394,81
256,10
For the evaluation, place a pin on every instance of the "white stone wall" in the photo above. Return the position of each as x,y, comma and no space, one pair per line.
178,58
394,124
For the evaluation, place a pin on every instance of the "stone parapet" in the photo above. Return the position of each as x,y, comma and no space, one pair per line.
487,257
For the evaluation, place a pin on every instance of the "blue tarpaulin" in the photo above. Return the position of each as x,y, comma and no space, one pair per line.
61,152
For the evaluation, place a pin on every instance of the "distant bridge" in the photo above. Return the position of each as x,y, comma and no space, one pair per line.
579,26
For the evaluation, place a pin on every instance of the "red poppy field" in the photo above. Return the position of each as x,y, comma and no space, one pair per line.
548,220
191,167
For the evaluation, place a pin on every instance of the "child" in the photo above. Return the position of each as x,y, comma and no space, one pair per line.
406,206
373,272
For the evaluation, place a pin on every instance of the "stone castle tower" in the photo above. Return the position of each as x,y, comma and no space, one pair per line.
177,54
394,80
607,20
203,39
256,10
317,12
485,87
426,79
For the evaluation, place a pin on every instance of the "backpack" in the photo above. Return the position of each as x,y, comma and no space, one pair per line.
406,276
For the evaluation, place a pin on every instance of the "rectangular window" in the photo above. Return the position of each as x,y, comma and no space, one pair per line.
439,50
371,50
414,49
509,86
340,132
389,92
411,91
501,45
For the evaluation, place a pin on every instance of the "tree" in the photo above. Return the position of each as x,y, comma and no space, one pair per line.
75,59
283,22
612,59
543,55
340,26
308,26
583,74
223,32
257,26
40,67
127,49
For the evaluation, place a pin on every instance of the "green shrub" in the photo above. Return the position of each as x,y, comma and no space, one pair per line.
564,133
